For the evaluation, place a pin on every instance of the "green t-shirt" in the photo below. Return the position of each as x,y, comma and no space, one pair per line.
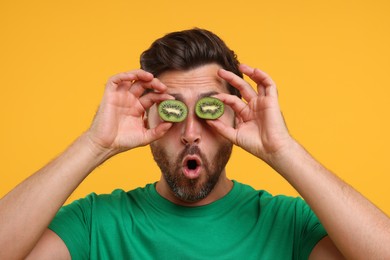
140,224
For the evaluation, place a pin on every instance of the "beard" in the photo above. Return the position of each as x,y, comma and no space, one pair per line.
191,190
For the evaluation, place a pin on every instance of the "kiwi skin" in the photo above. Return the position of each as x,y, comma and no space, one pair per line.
172,111
209,108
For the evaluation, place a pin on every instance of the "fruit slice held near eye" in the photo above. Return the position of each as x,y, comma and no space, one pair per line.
172,111
209,108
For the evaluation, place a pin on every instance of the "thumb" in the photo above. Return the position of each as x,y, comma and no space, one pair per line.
226,131
157,132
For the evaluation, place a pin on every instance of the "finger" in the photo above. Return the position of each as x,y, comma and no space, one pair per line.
128,77
139,87
244,87
131,75
235,103
151,98
266,86
157,132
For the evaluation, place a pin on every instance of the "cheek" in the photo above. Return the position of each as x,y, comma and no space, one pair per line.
167,145
170,141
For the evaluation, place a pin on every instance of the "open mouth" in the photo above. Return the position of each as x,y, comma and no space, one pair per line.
192,164
191,167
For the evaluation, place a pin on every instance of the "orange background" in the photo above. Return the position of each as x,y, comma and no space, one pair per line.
330,60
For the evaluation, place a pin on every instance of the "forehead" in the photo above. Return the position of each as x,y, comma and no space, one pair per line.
203,79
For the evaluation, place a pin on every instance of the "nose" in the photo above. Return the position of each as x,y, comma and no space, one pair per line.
192,128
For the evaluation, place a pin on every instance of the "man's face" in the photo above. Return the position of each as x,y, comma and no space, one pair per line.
192,156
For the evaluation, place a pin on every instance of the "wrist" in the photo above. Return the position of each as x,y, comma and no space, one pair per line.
284,156
95,149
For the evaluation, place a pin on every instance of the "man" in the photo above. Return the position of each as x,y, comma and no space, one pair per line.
194,211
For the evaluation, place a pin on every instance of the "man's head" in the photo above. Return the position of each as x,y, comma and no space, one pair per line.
191,155
188,49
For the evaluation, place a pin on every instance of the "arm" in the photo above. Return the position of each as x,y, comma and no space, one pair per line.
27,210
357,228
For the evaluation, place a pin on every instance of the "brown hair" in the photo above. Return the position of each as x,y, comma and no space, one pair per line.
188,49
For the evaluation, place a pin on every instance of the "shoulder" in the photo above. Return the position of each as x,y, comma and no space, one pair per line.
275,206
266,198
114,199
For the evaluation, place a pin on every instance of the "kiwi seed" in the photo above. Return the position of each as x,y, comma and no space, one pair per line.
209,108
172,111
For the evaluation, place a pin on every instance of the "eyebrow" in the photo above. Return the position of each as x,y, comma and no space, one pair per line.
178,96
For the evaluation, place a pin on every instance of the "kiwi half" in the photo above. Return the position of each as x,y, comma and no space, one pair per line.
172,111
209,108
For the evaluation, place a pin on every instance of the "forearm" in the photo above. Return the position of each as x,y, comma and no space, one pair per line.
27,210
356,226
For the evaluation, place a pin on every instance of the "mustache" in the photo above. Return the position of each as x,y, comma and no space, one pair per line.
191,150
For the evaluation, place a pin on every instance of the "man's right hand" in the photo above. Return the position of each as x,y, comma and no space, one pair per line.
119,123
118,126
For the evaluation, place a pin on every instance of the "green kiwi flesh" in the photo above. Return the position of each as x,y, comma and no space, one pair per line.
209,108
172,111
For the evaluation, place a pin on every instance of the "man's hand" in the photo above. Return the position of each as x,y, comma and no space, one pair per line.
118,125
260,127
360,230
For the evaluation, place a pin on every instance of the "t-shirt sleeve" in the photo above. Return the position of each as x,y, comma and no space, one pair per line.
311,230
72,225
